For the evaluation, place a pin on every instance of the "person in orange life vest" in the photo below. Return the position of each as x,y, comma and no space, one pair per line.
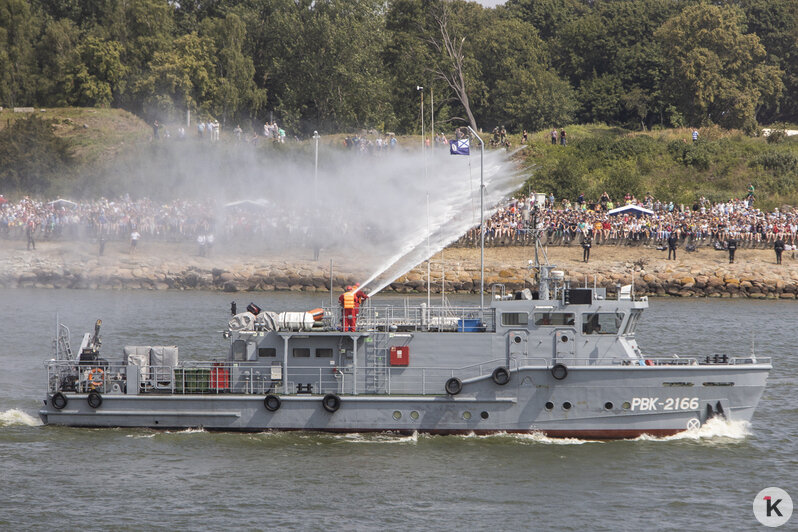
350,301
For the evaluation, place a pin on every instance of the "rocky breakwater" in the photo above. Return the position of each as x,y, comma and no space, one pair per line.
698,277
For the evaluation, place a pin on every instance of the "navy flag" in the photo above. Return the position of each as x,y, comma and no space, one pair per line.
459,147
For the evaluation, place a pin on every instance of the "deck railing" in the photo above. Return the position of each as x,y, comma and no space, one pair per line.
195,377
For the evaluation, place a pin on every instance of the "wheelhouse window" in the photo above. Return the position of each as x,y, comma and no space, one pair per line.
324,352
602,322
545,319
301,352
510,319
267,352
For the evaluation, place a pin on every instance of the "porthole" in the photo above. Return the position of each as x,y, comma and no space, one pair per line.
608,405
414,415
484,415
466,415
566,405
626,405
549,405
564,338
397,415
517,339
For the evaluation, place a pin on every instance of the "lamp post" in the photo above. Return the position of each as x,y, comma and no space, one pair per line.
420,89
316,136
481,220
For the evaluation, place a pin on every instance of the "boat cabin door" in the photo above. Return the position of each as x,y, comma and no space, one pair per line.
564,345
518,344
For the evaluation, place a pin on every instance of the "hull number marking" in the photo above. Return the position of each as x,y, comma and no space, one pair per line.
647,404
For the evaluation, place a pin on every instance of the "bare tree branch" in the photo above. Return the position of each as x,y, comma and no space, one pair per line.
453,71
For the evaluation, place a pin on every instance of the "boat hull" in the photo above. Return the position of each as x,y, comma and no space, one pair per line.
592,402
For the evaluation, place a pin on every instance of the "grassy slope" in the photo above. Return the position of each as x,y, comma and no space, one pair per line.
94,134
665,163
598,158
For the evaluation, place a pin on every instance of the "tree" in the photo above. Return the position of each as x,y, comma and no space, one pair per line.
17,75
521,90
179,78
58,57
99,76
776,25
454,67
234,90
715,72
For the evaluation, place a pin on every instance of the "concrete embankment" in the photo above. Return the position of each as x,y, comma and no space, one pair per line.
701,274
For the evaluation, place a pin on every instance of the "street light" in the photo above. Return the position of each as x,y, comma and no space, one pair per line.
481,220
420,89
316,136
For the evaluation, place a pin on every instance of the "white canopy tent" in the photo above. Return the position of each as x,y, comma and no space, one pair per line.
635,210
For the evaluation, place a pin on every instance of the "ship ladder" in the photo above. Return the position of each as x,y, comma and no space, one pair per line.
376,353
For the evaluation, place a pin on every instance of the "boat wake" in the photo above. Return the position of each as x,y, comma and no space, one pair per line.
716,429
15,416
530,438
380,437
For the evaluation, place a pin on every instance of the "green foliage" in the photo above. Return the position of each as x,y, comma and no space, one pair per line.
32,158
716,73
342,65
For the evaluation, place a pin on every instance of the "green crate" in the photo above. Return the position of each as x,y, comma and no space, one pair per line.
197,380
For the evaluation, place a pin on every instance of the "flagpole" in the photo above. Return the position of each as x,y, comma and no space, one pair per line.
481,220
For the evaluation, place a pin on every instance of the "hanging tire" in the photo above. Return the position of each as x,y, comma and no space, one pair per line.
94,399
501,375
453,386
272,403
331,402
559,371
59,401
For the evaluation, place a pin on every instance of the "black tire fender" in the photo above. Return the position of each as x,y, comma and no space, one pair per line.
331,402
94,399
501,375
59,401
453,386
272,403
559,371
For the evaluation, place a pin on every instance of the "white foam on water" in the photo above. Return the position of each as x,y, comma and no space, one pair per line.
715,429
16,416
540,438
380,437
186,431
140,436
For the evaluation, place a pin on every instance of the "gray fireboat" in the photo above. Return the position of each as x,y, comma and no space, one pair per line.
562,361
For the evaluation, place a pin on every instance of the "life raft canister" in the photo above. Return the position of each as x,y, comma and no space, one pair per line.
317,313
95,378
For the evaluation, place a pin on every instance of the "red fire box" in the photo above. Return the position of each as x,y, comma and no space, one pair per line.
400,355
220,377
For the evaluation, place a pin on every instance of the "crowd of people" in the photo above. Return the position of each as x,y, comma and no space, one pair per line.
559,222
704,223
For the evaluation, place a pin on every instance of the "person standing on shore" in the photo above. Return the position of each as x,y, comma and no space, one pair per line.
672,241
134,240
731,244
30,230
587,242
778,247
554,136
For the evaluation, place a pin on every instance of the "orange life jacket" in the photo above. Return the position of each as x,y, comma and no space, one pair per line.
349,299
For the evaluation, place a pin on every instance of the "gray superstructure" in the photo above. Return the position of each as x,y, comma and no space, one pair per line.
563,362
